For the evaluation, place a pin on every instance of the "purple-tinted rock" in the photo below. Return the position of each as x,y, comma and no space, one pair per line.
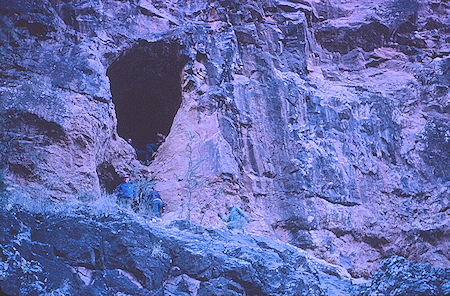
326,121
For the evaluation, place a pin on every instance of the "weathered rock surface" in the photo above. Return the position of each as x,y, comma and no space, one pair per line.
326,120
397,276
86,254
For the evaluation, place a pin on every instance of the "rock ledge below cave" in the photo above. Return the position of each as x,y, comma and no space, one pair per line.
84,253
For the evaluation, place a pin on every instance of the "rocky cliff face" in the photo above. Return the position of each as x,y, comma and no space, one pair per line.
86,253
326,121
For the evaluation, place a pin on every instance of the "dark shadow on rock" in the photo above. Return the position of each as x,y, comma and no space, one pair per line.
146,88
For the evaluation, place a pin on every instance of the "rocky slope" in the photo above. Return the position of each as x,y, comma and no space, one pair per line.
82,253
325,120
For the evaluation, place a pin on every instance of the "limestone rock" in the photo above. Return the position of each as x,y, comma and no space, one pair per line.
325,120
397,276
84,254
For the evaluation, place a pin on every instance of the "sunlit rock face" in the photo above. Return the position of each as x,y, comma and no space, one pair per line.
326,121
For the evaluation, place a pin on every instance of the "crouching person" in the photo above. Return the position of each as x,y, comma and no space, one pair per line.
125,192
235,220
157,205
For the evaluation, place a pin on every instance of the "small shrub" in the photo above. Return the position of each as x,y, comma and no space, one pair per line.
143,202
158,252
191,177
105,205
84,196
18,197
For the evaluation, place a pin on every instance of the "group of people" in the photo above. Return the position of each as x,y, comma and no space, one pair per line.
126,194
146,155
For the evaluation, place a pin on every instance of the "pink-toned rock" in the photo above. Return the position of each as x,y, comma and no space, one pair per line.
326,121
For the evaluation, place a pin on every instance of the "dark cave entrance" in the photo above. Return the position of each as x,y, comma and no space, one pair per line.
146,90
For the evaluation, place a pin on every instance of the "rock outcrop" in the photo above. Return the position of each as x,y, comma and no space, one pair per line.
84,254
327,121
81,253
397,276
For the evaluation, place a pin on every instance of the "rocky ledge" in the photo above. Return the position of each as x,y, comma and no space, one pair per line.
82,252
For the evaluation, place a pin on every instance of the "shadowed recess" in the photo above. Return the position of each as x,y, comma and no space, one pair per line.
146,90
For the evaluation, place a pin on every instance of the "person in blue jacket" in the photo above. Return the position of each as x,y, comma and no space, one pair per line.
235,218
153,147
125,192
143,156
157,204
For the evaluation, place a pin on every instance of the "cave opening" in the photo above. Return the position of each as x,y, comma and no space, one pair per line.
145,83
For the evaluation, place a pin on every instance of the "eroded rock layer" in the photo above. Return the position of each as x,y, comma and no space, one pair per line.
82,253
326,120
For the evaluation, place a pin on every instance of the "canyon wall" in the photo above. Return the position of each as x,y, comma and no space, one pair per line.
87,251
325,121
